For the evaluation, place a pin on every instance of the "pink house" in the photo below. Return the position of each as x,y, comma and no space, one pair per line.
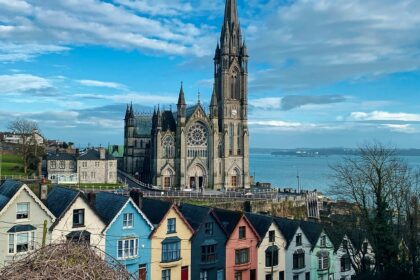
241,246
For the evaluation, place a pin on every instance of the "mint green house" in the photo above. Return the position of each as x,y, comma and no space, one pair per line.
322,251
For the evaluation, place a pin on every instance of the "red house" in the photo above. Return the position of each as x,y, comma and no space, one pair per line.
241,246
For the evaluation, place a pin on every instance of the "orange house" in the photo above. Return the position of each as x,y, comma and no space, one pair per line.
241,246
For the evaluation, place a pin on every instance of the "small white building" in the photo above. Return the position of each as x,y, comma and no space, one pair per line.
62,168
96,166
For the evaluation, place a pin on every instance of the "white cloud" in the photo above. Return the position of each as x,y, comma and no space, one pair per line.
93,83
18,83
402,128
384,116
267,103
10,52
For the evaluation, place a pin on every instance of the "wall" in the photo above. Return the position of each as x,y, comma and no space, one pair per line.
93,224
281,244
233,243
306,246
140,230
105,173
36,218
322,274
182,232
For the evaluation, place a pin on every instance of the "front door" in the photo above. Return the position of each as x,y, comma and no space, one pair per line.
184,273
192,182
253,274
200,181
142,272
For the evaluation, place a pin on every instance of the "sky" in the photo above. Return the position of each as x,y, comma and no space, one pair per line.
322,73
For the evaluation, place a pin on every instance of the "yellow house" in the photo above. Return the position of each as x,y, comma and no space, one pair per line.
170,241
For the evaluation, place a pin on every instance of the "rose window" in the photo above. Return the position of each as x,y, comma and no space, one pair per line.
197,135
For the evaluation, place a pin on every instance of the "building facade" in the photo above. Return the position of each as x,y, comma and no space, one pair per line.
192,148
62,168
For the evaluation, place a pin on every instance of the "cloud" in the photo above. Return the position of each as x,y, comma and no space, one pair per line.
295,101
21,83
384,116
142,98
402,128
52,26
93,83
312,43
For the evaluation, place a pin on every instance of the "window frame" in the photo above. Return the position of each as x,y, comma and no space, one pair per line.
171,227
272,236
298,239
171,254
209,228
28,210
208,253
78,212
12,242
299,260
166,274
129,248
242,232
127,220
242,256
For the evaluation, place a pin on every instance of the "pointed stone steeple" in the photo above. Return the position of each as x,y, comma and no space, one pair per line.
181,98
126,113
131,112
231,12
230,38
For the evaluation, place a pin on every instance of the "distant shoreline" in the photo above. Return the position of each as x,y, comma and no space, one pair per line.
314,152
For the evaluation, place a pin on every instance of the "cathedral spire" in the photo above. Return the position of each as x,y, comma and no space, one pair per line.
231,12
131,112
181,98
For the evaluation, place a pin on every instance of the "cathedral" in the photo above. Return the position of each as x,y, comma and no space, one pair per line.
194,148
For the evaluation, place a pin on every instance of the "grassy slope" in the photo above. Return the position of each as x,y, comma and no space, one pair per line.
11,165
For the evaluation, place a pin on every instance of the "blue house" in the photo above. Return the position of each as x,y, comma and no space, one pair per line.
126,233
207,243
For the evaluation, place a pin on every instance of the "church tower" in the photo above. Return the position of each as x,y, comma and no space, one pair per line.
231,90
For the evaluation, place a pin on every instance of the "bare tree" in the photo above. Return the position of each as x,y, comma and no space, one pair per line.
26,130
376,181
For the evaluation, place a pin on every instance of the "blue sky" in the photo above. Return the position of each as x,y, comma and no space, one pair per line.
323,73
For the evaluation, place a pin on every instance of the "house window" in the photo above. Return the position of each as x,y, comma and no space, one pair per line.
238,275
271,236
295,277
299,239
84,175
242,232
171,251
128,220
204,275
22,210
84,163
21,242
166,182
241,256
345,263
323,261
307,276
271,256
268,277
96,163
71,164
281,275
323,241
208,253
92,175
208,228
171,225
299,260
78,217
128,248
62,164
53,164
166,274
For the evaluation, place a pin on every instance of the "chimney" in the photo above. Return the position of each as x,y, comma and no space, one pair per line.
77,153
43,190
101,153
137,197
91,196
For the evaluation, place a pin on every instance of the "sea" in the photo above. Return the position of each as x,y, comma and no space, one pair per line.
284,171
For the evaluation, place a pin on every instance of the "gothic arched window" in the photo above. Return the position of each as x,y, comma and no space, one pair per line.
197,141
168,147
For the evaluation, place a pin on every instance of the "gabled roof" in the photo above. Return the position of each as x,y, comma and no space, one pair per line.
357,237
168,121
59,199
196,215
190,110
228,218
261,223
336,235
61,156
312,231
288,228
155,209
7,190
10,189
108,205
92,154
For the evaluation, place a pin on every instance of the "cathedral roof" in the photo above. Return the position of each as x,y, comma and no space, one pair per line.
191,110
168,121
143,125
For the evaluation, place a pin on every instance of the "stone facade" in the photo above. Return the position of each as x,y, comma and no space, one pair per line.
190,148
62,169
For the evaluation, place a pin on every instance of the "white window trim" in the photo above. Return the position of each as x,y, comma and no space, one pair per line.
29,212
31,247
136,249
132,220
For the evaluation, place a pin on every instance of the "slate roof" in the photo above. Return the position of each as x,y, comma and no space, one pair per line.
229,219
20,228
357,237
155,209
143,125
287,227
190,110
61,156
261,223
168,121
107,205
312,231
336,235
7,190
92,154
59,199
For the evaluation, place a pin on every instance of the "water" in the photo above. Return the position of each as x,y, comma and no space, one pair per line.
314,172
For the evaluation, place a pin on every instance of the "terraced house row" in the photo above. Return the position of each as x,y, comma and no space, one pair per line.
157,239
